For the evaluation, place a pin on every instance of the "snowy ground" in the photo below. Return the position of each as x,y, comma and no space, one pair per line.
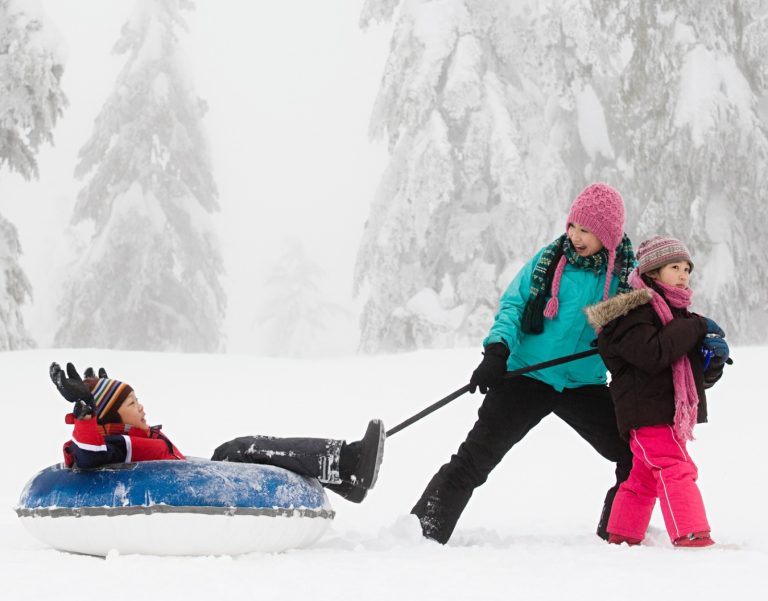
527,534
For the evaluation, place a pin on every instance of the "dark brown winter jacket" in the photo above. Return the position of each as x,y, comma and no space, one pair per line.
639,351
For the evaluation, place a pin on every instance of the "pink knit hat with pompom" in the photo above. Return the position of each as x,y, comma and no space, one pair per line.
600,209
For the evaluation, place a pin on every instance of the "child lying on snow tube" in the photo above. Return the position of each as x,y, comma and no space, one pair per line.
120,434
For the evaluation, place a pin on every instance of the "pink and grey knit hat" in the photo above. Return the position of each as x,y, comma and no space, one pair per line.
658,251
600,209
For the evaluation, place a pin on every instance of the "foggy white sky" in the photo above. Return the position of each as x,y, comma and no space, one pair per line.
289,87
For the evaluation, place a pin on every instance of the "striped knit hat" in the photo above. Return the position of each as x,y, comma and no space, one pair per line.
109,395
658,251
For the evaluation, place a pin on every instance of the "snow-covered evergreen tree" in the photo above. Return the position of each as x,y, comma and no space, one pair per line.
31,100
497,114
293,319
694,143
150,276
479,102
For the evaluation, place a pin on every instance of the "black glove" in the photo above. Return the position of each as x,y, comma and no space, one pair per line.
88,373
712,375
83,409
72,388
490,372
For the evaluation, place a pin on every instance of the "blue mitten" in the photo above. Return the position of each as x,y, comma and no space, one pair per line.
713,328
714,350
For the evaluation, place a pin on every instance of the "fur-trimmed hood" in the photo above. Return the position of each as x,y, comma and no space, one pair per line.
603,313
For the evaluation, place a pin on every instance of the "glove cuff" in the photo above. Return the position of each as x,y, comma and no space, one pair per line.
497,349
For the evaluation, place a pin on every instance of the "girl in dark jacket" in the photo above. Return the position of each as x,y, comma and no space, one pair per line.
655,348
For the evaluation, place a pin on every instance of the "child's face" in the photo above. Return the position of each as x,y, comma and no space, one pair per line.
131,412
674,274
584,241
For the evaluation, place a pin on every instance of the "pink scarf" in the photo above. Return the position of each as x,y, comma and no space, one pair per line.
686,397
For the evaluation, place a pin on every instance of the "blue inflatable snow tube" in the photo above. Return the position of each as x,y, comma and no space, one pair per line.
193,507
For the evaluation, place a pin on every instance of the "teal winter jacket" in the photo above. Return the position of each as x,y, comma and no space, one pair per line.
567,333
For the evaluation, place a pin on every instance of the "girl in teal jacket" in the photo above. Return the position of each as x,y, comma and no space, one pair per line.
541,317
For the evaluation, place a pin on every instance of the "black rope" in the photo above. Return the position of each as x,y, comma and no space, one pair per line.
464,389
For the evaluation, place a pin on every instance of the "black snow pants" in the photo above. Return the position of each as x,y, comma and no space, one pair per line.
314,457
507,414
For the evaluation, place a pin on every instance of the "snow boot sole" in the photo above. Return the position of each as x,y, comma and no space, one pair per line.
366,471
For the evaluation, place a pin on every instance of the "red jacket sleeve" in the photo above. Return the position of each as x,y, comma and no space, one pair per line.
89,448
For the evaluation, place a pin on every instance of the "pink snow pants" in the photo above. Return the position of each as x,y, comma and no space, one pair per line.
661,468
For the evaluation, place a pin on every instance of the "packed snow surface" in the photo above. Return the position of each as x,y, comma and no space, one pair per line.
527,534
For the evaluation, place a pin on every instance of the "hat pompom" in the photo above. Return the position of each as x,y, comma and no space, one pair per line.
550,311
553,305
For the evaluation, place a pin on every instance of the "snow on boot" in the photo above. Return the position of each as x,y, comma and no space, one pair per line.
694,540
430,514
349,491
617,539
440,507
360,460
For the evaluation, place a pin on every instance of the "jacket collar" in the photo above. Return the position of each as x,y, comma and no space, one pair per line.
603,313
110,429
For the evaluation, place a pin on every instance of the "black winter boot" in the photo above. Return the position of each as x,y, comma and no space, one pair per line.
359,464
622,473
360,460
439,509
602,525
